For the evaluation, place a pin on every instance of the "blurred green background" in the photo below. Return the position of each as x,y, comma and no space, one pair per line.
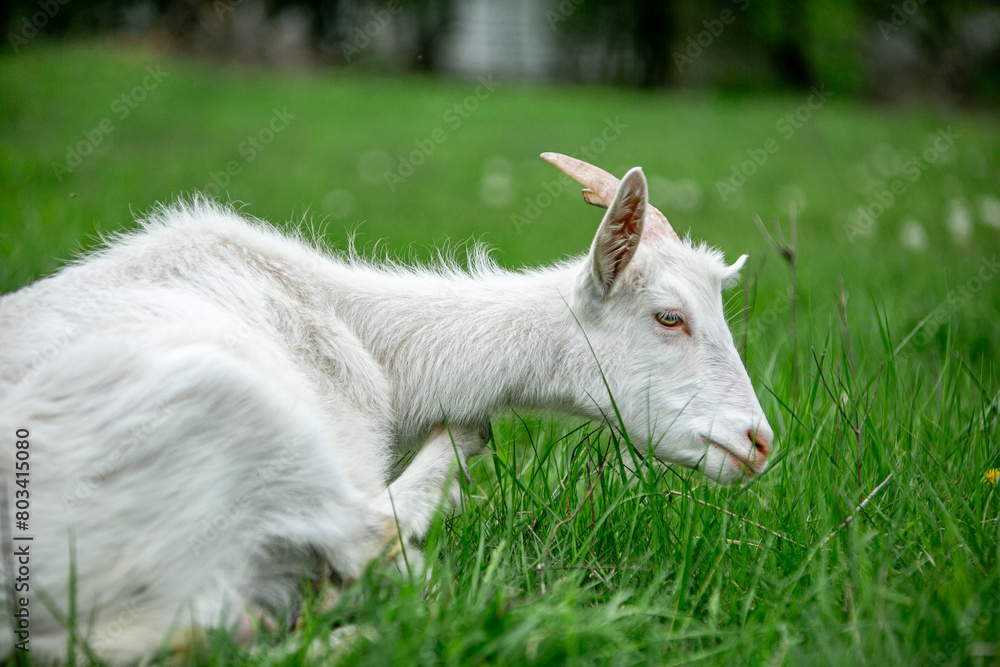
179,126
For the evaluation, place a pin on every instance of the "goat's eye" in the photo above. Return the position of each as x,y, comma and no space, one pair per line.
670,319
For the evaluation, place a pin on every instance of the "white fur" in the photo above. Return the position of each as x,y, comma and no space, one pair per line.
214,406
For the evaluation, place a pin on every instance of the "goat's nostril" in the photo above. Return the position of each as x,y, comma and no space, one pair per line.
760,443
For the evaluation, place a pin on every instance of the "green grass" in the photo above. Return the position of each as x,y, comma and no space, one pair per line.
570,550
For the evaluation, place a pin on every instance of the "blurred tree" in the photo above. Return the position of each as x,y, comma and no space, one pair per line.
788,52
885,49
430,23
655,30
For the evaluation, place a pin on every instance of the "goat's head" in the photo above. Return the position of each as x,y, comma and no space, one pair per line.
651,305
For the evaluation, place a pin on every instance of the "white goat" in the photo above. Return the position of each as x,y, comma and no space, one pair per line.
211,406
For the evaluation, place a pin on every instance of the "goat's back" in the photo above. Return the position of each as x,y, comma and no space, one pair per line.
183,388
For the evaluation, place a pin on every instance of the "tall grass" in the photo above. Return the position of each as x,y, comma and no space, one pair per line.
570,550
872,537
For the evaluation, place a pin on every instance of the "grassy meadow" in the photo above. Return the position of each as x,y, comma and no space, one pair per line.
874,536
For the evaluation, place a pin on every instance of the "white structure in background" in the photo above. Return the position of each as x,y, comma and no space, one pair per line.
506,39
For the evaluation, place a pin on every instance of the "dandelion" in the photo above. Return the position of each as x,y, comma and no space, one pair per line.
992,475
989,211
791,192
912,236
496,189
339,203
373,165
959,222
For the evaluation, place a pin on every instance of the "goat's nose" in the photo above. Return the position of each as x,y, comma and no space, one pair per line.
761,443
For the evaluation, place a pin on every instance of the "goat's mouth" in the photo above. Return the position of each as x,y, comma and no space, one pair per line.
743,463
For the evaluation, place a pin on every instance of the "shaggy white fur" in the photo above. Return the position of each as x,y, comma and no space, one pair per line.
213,406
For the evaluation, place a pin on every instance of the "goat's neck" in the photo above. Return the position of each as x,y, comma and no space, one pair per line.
465,347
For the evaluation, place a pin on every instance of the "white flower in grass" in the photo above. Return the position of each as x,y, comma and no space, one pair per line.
373,165
684,194
496,188
339,203
660,189
791,193
989,211
688,195
959,221
913,236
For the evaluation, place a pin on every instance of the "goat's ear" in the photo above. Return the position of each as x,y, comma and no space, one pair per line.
618,236
732,274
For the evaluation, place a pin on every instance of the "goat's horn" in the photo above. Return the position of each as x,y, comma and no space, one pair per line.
600,189
593,198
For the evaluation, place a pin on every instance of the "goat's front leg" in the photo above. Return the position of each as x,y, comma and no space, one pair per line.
412,499
403,512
